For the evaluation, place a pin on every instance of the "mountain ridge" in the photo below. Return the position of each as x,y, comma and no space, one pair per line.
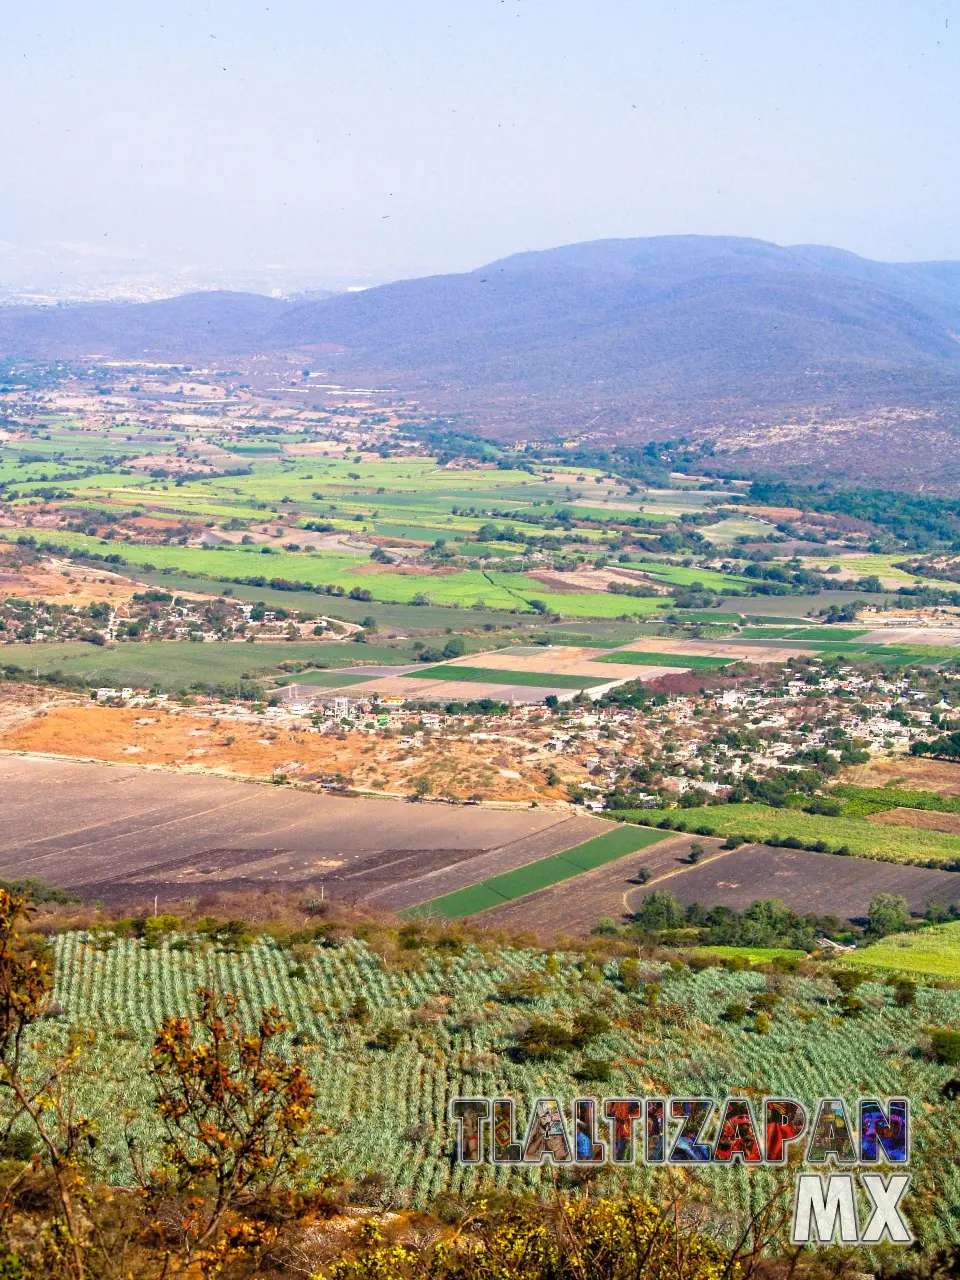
644,337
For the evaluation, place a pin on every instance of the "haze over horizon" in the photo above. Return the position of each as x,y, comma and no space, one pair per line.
293,146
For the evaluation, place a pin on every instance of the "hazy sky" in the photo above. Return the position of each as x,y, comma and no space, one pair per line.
397,137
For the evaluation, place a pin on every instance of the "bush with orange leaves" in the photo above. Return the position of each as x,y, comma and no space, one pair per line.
233,1111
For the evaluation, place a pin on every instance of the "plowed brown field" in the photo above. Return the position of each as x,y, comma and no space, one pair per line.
122,834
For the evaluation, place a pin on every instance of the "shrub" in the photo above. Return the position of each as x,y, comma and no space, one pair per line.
542,1039
735,1011
761,1024
766,1001
887,913
523,990
846,980
595,1069
360,1010
606,926
946,1046
623,1238
904,993
659,910
587,1026
388,1037
17,1145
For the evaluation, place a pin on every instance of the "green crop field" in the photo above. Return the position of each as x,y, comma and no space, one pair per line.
369,1100
759,822
933,951
174,665
317,569
409,619
696,661
830,634
540,874
334,679
488,675
682,577
881,566
587,604
860,802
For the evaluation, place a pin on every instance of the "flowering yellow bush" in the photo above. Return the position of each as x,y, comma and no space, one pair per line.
574,1239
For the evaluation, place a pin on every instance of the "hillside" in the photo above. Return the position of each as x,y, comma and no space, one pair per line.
636,338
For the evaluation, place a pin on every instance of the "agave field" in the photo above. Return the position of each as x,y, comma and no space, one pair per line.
385,1110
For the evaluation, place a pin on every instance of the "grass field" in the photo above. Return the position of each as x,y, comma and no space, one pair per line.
855,651
932,951
638,658
403,617
540,874
172,666
487,675
249,562
753,955
758,822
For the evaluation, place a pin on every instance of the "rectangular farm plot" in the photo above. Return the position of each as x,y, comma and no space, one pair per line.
533,679
679,650
457,690
693,661
554,664
541,874
527,658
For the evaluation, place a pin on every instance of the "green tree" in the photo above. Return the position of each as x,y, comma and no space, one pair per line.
887,913
659,910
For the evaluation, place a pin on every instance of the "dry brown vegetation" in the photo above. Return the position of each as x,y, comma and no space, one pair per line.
908,772
453,765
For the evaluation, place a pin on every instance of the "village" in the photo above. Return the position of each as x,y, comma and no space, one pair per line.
641,746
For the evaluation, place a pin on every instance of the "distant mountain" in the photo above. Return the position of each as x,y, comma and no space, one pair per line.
193,326
673,320
629,337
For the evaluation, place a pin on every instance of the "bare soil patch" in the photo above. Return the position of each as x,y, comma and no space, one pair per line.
822,883
56,583
922,819
819,882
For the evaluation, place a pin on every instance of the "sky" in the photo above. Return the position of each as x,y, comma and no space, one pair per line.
317,143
